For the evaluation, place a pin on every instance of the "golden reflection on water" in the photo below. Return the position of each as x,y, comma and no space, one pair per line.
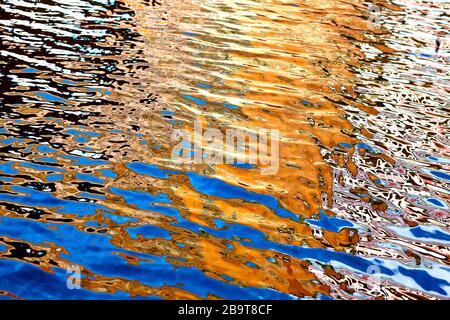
279,66
284,65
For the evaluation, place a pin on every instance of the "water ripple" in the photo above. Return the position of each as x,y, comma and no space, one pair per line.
92,90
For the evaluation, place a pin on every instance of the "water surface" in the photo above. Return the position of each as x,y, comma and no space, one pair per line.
91,92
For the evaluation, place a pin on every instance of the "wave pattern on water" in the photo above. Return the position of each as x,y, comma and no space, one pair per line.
92,90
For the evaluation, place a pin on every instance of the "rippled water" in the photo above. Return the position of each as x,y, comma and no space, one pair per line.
91,92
